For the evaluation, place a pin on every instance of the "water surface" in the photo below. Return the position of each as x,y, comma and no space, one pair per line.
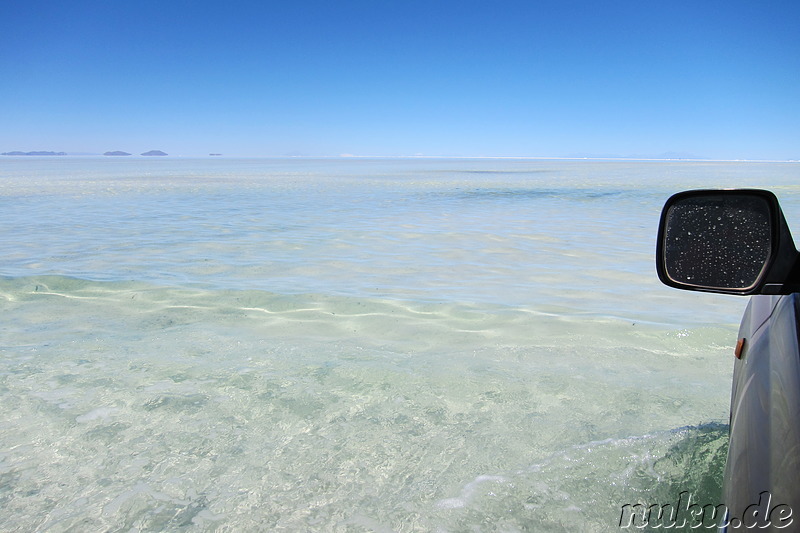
354,345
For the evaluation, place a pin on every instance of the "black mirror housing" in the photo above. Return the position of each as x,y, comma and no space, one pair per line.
733,241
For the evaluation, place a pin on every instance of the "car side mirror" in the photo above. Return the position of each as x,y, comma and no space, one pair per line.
726,241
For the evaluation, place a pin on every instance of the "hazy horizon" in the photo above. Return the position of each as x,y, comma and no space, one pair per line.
667,157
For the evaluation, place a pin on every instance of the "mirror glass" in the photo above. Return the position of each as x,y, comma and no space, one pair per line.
718,240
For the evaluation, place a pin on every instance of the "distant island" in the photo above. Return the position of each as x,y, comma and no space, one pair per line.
116,152
34,153
214,154
154,152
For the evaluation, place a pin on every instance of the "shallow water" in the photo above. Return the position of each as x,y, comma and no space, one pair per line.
354,345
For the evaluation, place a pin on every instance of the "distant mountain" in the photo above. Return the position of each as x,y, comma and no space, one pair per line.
116,152
154,152
34,153
665,156
668,155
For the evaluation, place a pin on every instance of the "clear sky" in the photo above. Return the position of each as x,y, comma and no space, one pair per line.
718,79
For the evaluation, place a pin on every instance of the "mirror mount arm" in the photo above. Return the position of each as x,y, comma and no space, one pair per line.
784,274
791,283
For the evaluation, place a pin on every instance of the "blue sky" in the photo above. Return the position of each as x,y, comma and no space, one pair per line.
718,79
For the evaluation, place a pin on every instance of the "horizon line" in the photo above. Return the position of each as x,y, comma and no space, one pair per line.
413,156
